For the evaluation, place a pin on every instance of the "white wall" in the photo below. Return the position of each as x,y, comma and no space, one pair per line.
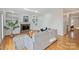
20,18
51,19
54,20
66,23
75,21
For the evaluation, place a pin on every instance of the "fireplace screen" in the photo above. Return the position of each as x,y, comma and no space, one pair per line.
25,27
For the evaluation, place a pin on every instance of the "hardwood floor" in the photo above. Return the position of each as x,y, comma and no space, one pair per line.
67,42
7,44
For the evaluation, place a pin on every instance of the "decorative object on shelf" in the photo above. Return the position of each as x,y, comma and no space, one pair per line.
25,19
35,20
11,24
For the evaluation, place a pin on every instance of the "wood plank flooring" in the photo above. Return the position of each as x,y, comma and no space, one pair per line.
67,42
7,44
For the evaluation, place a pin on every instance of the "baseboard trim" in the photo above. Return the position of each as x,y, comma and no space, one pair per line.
61,34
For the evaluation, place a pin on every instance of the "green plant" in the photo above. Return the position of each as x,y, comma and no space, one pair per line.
11,25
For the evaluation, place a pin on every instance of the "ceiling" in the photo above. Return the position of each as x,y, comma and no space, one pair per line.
19,11
41,10
72,11
67,10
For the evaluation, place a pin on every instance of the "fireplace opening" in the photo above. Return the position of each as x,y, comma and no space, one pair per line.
25,27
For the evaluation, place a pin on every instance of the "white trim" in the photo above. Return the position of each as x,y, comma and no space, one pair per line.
35,11
2,26
61,34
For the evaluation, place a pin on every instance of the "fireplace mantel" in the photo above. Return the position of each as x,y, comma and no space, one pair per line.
25,23
25,27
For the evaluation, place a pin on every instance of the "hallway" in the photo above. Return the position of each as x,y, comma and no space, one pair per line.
67,42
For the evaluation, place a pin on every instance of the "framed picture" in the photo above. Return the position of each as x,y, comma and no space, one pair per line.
25,19
35,20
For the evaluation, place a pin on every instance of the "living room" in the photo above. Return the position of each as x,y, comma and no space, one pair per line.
32,28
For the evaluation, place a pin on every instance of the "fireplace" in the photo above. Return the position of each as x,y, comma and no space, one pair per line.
25,27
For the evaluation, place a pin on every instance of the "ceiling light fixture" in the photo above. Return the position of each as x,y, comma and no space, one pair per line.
35,11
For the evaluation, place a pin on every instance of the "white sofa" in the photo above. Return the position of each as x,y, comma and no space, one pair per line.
43,39
39,41
23,42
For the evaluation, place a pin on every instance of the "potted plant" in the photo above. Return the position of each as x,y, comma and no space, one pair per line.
12,25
